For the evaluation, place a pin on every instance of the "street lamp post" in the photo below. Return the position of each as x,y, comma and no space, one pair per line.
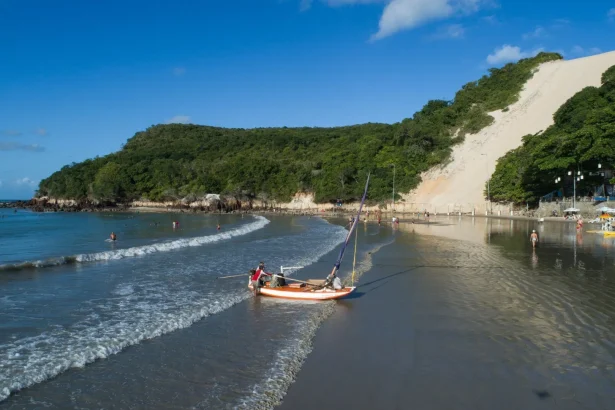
578,177
575,178
393,210
488,187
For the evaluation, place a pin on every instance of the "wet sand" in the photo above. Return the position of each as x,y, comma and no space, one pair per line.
482,324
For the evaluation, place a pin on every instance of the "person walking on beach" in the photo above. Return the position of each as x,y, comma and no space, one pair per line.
534,238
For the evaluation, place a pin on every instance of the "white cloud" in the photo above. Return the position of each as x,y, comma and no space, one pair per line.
508,53
560,23
41,131
536,33
407,14
12,133
611,14
305,5
179,71
491,20
580,51
25,181
179,119
450,31
336,3
401,15
16,146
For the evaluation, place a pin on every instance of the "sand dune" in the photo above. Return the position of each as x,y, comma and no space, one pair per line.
459,185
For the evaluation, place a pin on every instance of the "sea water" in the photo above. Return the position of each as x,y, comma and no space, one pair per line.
144,322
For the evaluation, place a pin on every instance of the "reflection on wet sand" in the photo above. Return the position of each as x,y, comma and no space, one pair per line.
480,230
462,313
550,309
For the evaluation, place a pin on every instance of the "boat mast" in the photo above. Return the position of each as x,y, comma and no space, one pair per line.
352,228
354,261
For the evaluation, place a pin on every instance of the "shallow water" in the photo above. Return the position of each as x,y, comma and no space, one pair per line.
147,324
463,313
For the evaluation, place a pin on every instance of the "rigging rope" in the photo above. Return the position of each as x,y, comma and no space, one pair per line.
354,262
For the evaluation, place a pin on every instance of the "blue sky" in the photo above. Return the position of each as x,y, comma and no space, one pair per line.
78,78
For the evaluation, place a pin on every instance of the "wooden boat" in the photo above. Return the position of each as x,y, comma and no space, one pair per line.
316,289
607,234
296,291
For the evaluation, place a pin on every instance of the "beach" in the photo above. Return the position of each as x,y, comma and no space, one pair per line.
447,320
455,313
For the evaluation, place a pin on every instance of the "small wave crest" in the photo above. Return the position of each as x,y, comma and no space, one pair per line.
47,263
141,311
42,357
259,223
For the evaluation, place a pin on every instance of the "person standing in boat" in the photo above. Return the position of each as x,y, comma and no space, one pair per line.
260,276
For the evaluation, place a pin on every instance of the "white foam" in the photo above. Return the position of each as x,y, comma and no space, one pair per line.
289,359
124,290
259,223
137,316
35,359
173,245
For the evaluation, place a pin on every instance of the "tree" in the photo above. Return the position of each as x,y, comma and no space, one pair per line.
173,161
583,135
108,183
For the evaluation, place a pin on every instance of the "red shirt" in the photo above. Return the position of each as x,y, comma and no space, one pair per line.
258,272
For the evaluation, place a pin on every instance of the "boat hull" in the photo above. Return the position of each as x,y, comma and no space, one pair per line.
293,292
605,233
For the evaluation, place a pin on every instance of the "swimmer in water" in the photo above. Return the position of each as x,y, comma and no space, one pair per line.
113,236
219,227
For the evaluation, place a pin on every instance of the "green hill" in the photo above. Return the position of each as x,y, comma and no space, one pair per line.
582,136
168,162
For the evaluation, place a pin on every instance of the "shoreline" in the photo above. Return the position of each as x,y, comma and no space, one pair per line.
409,334
36,206
386,215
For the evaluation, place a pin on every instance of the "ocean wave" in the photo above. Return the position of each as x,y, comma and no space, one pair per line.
141,311
259,223
39,358
291,355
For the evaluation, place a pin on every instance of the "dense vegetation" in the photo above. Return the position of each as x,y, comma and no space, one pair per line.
168,162
582,136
